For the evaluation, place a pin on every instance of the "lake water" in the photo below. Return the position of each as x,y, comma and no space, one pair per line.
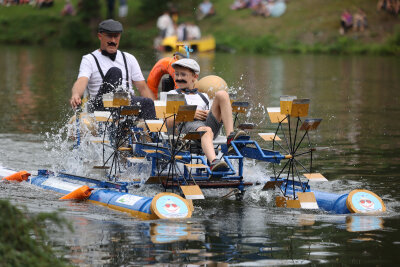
356,96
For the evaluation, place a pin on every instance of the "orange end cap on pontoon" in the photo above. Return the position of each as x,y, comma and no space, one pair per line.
18,176
81,193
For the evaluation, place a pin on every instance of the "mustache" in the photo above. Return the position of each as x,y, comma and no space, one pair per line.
111,44
180,81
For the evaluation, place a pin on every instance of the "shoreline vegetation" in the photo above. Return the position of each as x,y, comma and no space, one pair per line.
308,26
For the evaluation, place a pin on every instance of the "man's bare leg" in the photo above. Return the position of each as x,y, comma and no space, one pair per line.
222,110
207,143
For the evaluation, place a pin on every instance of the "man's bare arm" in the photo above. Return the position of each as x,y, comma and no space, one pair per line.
144,89
77,91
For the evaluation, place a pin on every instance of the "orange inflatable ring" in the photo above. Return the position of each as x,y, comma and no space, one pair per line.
163,66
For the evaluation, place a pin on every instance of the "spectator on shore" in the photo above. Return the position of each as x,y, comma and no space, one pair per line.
276,8
44,3
166,25
205,9
346,21
360,20
258,8
123,9
68,9
273,8
391,6
240,4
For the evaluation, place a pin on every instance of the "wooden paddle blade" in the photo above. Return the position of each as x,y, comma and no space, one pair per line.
155,179
101,167
192,192
286,102
239,107
246,126
269,136
284,202
276,116
271,185
315,177
308,200
300,107
310,124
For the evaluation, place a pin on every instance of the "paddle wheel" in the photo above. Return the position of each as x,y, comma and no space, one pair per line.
292,139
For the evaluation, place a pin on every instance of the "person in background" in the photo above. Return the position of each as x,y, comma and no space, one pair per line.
166,25
360,20
123,9
107,68
205,9
68,9
193,31
346,21
207,119
240,4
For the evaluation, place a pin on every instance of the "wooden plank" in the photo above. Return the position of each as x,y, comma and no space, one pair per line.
192,192
196,166
271,185
275,115
300,107
307,200
316,177
124,149
156,126
269,136
150,151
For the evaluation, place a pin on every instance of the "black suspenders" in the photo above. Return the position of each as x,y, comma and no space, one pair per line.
98,66
200,94
126,68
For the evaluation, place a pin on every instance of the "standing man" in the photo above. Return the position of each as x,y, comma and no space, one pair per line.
103,70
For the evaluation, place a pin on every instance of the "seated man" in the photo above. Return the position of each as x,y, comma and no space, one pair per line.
107,68
207,119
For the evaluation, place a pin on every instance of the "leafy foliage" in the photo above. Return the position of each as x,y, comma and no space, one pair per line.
23,239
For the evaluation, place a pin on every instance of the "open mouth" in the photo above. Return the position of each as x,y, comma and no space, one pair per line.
180,81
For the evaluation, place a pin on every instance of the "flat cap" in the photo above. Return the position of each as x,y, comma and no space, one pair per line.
187,63
110,26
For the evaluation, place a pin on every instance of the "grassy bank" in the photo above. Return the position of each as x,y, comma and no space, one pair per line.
307,26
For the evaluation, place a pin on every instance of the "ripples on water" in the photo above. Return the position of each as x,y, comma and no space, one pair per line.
361,153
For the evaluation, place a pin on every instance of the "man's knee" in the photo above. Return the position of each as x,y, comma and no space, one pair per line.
206,129
148,102
222,95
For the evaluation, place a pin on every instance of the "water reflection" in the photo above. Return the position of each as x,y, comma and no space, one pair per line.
357,98
168,232
363,223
